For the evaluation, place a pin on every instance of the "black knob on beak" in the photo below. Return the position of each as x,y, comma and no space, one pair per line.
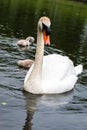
47,29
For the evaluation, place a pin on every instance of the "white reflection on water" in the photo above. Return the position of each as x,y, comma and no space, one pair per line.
41,105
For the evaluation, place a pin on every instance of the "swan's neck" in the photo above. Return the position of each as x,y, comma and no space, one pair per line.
39,51
37,69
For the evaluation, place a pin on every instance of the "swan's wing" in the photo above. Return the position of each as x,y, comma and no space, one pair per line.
79,69
57,66
58,74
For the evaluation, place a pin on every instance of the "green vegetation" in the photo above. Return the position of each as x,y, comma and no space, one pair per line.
20,15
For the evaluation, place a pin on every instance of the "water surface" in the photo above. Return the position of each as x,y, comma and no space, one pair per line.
23,111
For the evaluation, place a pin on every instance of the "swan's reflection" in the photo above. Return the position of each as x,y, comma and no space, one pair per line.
35,102
31,101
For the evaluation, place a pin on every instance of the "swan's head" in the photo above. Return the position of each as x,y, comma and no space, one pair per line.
44,26
30,39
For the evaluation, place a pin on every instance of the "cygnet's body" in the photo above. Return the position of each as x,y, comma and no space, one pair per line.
26,42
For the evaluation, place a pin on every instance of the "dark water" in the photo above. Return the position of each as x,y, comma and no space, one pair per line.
23,111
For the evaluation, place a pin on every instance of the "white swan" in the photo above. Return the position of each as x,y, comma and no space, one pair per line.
52,73
25,42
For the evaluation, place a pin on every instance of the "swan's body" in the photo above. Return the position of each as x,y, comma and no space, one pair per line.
52,73
25,42
25,63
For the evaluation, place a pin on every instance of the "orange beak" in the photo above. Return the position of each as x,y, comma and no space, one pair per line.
46,38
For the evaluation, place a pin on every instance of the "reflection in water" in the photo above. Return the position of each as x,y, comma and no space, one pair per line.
31,101
83,36
43,103
82,55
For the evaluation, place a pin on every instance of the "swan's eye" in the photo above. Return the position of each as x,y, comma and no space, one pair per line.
46,28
